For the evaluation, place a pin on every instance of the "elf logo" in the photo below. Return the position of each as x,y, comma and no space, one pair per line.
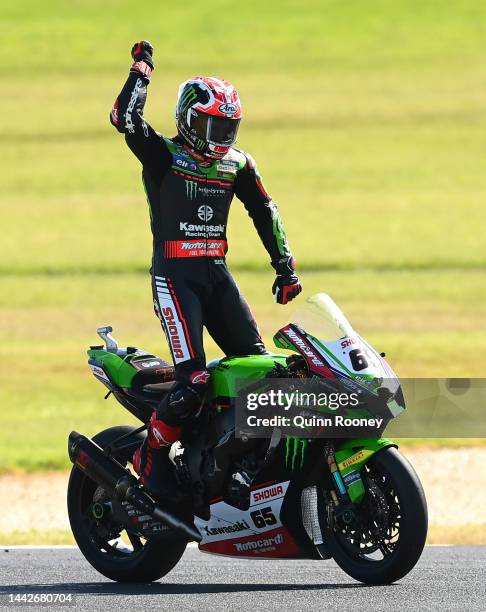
173,332
228,108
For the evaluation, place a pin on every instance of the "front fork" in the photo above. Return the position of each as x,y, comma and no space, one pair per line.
346,461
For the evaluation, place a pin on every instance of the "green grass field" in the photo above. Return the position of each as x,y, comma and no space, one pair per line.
367,121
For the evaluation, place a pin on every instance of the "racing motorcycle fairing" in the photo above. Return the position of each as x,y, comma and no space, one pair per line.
335,352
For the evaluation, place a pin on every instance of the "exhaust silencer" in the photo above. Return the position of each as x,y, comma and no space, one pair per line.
118,481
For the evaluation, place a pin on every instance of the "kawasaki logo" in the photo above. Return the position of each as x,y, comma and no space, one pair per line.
228,108
232,528
191,190
255,544
190,227
205,213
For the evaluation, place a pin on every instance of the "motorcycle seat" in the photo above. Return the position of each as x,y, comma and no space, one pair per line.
159,388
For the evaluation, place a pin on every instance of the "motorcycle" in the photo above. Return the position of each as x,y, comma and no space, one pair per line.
356,500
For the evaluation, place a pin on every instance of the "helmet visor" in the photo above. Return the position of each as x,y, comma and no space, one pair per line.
222,131
216,130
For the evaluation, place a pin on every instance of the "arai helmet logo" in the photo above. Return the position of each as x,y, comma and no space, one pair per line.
205,213
228,108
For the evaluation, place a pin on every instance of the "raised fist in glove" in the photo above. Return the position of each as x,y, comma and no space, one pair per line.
142,52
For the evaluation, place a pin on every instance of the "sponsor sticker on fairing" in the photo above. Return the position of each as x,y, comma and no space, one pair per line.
352,460
351,477
238,526
263,545
271,492
99,372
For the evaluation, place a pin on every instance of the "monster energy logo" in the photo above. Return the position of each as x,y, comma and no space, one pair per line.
187,99
293,448
191,190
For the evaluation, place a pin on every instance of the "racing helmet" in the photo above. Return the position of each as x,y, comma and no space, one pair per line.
208,114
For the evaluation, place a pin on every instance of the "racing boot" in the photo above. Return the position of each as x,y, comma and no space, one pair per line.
151,460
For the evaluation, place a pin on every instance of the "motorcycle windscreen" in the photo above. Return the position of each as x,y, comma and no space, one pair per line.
322,318
332,335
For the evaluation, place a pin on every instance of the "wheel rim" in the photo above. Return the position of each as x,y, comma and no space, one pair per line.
106,535
371,531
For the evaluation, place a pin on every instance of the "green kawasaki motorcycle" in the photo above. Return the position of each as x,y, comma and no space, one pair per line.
355,500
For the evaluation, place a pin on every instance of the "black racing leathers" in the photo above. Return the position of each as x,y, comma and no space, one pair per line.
189,202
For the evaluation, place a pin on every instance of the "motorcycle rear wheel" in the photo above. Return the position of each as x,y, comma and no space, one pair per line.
138,560
385,539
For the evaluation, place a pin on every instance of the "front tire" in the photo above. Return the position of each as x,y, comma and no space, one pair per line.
391,523
142,561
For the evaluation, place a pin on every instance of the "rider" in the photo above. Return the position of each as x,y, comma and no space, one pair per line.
190,181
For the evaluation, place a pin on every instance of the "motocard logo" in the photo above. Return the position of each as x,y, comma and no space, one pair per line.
231,528
228,108
306,349
173,332
267,493
205,213
259,544
190,246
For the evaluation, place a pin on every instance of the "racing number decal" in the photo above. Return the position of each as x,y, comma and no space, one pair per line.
358,360
262,518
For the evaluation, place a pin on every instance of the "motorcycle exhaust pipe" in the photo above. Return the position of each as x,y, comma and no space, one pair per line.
117,480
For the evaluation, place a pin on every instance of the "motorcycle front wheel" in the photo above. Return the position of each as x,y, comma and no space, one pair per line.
381,539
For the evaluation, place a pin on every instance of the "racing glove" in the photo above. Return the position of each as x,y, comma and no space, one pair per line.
142,55
287,285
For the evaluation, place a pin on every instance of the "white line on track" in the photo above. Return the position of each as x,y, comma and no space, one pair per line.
6,547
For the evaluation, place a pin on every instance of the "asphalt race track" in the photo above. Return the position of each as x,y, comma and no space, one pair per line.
446,578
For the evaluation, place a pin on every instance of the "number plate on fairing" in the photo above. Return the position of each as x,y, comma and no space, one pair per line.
256,532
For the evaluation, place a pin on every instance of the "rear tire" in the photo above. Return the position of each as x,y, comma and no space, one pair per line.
410,507
153,560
